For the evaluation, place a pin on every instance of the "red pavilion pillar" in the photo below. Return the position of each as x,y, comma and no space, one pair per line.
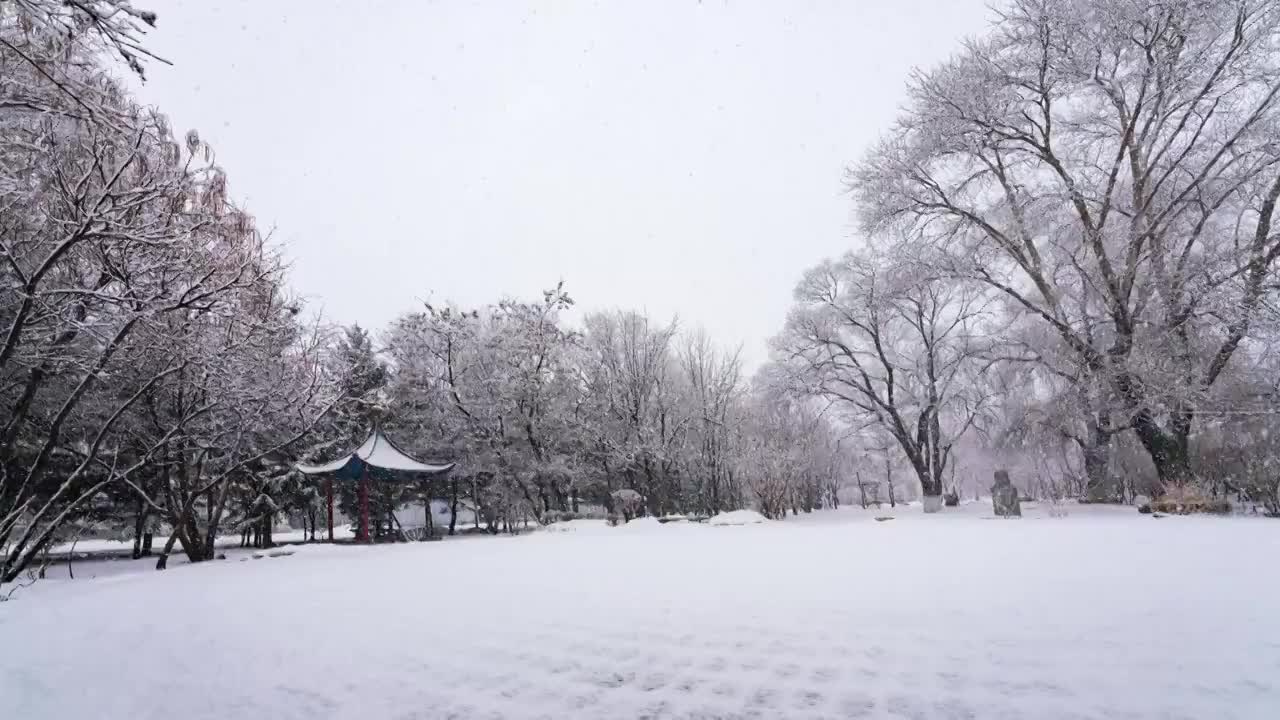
364,505
328,491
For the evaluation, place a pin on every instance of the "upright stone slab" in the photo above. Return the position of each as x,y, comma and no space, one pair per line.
1004,496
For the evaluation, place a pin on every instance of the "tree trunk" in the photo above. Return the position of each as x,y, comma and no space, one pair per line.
888,478
163,561
328,499
189,537
475,501
453,506
139,526
1100,486
1169,449
364,535
930,489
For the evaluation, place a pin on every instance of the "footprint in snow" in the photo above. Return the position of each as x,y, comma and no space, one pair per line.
724,689
905,707
857,705
680,662
823,674
764,697
612,679
653,682
946,709
560,667
578,702
787,670
809,698
951,680
660,709
688,685
716,664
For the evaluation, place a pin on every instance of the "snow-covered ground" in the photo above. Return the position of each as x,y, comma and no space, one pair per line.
1106,613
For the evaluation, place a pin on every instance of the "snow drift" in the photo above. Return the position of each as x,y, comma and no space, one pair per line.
738,517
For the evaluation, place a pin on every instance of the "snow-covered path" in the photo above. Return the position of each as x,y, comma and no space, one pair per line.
1102,614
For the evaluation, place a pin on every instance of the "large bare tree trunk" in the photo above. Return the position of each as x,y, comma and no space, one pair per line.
1169,449
139,526
1101,487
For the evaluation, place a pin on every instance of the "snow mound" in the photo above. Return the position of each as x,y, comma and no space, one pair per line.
273,553
737,517
643,524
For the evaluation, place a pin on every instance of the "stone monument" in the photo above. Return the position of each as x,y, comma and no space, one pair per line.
1004,496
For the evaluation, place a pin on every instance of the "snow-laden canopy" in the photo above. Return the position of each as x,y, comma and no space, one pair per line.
380,455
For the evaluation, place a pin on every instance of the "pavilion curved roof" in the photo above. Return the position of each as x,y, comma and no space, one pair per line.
378,453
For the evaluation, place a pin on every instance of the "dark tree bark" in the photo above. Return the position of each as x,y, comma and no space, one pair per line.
139,526
163,561
888,479
453,506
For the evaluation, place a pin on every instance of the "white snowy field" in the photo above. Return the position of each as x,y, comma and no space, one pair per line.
1103,614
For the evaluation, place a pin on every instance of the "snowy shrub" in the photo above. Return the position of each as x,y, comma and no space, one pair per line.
1188,505
415,534
1265,490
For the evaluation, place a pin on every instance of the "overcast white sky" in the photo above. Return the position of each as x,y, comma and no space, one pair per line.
682,158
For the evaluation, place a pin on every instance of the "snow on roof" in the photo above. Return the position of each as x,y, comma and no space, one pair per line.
378,452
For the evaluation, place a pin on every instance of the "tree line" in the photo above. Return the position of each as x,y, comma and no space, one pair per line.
151,356
1070,246
1066,267
157,377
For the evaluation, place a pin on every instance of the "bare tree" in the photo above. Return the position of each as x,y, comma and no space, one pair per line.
128,277
714,379
895,349
1111,168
